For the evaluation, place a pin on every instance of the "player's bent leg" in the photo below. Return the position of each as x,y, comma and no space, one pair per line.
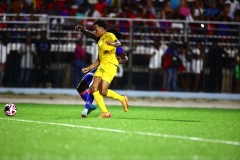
84,114
92,108
125,103
122,99
100,101
82,86
88,98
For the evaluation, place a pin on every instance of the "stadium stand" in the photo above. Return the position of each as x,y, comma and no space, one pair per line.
141,24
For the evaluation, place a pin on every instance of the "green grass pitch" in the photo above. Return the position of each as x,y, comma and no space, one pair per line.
57,132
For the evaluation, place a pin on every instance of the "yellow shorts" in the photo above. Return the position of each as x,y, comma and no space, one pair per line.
106,71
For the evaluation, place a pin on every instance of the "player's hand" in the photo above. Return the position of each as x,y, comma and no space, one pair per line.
78,27
85,70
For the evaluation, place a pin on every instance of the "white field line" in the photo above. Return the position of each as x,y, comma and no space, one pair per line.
236,143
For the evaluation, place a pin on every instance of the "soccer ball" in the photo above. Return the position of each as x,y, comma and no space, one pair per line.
10,109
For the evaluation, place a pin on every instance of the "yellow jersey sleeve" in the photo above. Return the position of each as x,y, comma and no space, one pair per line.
107,53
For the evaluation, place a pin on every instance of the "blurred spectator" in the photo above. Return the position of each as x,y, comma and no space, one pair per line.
124,24
220,4
128,3
65,10
79,2
51,7
73,8
100,5
178,27
164,25
162,49
86,5
215,63
184,76
224,29
116,4
39,3
168,10
212,11
235,27
175,4
43,47
113,12
210,27
60,4
185,10
16,6
105,11
149,7
92,13
27,8
197,65
198,10
171,62
28,53
225,12
57,23
80,14
237,16
4,6
234,6
237,73
2,19
4,52
79,62
151,26
155,63
30,2
43,17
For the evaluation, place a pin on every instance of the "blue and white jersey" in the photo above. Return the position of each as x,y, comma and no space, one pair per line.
89,76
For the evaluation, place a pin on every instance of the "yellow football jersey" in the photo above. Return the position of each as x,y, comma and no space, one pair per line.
106,53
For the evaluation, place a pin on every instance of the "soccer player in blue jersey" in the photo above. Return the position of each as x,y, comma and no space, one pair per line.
84,85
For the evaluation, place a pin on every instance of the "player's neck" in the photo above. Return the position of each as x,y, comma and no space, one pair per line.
104,32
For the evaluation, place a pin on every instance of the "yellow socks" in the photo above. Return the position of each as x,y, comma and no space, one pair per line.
114,95
99,99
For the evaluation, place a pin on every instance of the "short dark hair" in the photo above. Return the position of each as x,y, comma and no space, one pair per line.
100,23
115,32
173,45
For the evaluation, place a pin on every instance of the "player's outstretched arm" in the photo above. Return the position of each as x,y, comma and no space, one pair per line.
93,65
116,43
87,33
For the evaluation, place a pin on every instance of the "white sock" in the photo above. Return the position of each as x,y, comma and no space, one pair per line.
85,110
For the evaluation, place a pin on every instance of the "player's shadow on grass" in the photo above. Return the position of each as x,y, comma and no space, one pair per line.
168,120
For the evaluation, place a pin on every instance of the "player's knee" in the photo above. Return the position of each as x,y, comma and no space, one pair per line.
103,92
94,89
80,89
82,86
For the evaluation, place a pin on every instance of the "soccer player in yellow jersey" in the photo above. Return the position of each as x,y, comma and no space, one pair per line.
107,64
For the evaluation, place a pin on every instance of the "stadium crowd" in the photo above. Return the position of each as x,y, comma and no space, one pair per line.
213,10
188,10
164,10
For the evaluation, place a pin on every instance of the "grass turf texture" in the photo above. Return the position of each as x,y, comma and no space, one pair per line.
40,131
